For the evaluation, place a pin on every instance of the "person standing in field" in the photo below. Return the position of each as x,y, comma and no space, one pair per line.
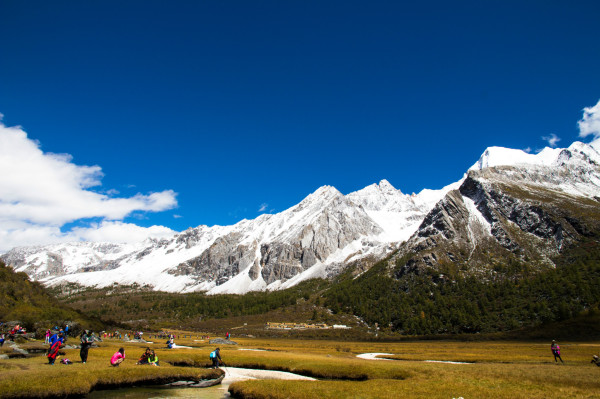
118,357
54,347
556,351
86,341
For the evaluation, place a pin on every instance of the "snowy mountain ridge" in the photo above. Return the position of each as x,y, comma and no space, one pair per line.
317,237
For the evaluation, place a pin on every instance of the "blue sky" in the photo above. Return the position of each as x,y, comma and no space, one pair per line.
236,106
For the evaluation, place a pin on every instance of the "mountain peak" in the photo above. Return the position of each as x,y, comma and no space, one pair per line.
323,193
501,156
385,185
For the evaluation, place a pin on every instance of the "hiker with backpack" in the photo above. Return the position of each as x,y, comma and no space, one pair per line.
556,351
215,357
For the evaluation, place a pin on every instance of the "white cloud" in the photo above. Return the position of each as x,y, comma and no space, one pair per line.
40,192
120,232
263,207
590,123
552,139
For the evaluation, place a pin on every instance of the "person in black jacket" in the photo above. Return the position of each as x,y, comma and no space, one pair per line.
86,341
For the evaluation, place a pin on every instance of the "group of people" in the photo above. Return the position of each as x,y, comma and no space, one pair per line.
555,348
57,340
17,330
149,357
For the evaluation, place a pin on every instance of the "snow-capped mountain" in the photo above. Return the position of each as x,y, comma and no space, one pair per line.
509,204
315,238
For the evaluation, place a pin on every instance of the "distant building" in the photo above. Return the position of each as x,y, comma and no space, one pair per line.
298,326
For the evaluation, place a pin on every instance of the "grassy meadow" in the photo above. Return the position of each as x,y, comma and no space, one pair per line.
33,377
497,369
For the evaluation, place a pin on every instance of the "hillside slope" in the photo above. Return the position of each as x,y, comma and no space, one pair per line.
31,304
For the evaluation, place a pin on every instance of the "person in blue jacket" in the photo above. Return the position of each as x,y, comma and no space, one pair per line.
59,336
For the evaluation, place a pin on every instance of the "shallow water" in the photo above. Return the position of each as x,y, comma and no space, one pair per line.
216,392
232,374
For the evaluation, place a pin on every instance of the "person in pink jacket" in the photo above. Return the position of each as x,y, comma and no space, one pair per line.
556,351
117,358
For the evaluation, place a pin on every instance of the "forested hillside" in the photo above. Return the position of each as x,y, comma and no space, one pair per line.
434,302
29,302
143,309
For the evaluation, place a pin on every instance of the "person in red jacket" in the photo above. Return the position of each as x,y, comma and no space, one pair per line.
53,351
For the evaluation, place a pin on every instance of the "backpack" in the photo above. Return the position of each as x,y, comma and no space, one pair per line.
213,354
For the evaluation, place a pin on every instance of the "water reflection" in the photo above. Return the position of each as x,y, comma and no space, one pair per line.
216,392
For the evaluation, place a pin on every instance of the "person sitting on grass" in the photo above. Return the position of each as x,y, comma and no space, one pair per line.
117,358
153,358
596,360
144,358
215,356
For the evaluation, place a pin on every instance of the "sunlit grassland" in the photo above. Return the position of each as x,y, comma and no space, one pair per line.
498,369
501,370
33,377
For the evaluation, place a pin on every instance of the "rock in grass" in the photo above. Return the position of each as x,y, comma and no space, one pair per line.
20,351
221,341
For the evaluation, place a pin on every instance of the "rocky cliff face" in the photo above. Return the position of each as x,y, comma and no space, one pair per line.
283,250
525,213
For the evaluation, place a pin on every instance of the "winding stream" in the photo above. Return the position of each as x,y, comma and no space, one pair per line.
216,392
232,374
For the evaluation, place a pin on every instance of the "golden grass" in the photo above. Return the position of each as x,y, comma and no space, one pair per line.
33,377
500,369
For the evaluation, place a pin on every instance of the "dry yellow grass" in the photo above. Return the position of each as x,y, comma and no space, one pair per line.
34,377
500,369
